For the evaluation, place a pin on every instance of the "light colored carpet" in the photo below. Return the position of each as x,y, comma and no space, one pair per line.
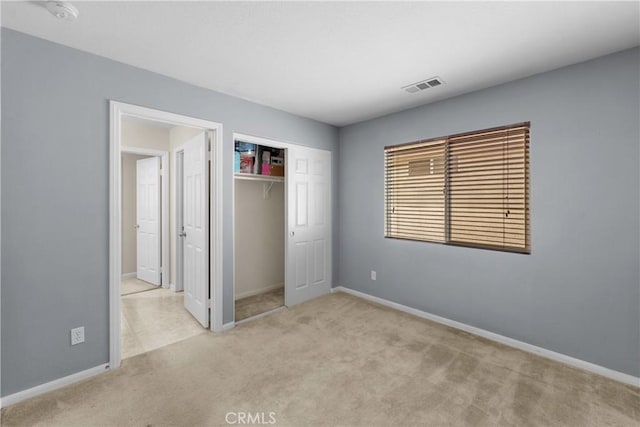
133,285
154,319
337,361
257,304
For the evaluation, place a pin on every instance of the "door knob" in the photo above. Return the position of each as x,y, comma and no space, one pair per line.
136,226
292,233
183,234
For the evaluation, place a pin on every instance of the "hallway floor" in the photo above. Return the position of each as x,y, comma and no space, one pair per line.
154,319
133,286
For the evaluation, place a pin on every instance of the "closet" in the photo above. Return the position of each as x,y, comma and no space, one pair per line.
259,228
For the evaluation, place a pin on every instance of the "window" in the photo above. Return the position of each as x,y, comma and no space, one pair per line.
469,189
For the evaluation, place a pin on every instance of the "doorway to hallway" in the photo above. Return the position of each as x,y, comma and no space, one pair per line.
167,297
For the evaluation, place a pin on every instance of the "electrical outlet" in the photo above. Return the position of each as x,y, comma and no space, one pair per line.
373,275
77,335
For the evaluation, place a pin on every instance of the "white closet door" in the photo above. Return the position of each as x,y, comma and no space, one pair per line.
308,257
196,227
148,219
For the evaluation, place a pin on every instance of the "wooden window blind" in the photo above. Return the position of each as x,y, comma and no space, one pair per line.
414,196
469,189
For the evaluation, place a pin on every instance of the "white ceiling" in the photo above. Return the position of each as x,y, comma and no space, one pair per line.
339,62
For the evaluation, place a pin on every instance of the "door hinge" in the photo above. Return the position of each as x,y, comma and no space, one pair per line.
208,303
161,270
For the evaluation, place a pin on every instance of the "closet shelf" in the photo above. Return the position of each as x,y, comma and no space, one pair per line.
252,177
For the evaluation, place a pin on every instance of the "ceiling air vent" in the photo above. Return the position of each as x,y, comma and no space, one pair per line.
424,84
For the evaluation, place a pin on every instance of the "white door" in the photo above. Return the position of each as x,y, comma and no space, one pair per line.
179,201
148,219
308,257
195,211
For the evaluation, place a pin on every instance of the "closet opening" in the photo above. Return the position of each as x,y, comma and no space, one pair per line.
259,229
282,225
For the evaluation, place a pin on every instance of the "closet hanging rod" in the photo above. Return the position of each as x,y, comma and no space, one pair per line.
252,177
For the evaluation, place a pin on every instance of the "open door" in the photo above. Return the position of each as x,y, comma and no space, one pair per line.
148,219
308,256
196,228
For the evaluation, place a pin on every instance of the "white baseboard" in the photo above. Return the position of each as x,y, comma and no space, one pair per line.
259,291
126,276
53,385
530,348
228,326
172,287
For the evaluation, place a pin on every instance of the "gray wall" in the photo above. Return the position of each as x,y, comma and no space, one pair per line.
578,291
55,199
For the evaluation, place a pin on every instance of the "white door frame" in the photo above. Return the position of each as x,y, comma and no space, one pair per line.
275,144
164,220
118,110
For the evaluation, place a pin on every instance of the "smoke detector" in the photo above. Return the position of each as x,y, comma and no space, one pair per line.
62,10
424,84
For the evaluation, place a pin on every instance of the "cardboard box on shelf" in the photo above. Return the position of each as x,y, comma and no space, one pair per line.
276,170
